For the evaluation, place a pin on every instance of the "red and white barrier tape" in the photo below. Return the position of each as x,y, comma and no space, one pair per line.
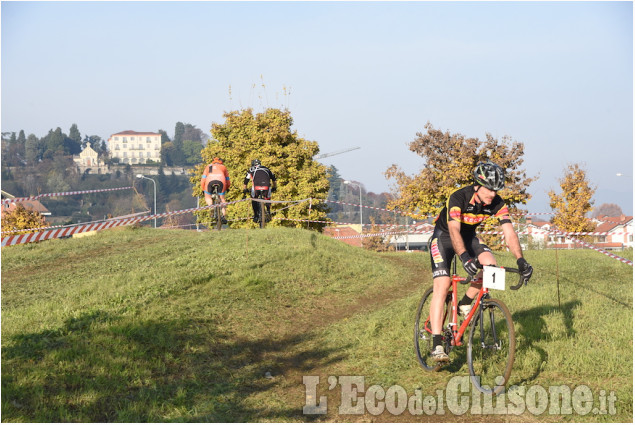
617,257
537,232
10,200
69,231
370,235
39,229
45,233
423,217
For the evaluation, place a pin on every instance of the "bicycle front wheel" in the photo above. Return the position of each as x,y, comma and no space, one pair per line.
491,347
423,332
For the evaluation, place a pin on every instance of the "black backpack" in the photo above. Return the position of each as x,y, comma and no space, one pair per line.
260,176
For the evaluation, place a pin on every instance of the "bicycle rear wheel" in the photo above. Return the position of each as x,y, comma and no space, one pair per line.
218,212
423,332
491,347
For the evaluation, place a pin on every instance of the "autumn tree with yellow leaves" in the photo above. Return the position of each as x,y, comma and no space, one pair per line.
267,136
377,243
574,202
21,219
450,160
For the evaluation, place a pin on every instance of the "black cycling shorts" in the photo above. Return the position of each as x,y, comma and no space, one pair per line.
442,252
215,184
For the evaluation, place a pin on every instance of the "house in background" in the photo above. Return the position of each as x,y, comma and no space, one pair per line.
619,232
350,233
415,237
32,204
539,233
132,147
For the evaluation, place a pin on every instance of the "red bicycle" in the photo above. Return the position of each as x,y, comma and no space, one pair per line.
491,342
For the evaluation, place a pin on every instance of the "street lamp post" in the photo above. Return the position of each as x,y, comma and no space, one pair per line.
141,176
361,221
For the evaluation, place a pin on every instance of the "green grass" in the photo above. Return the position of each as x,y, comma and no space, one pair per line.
138,325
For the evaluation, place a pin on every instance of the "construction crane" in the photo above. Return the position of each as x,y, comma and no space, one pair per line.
324,155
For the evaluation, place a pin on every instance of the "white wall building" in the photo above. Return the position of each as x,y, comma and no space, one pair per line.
132,147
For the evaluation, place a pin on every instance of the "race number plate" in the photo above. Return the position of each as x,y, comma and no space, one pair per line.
494,278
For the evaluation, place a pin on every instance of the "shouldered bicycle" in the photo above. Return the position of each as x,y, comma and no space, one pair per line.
491,342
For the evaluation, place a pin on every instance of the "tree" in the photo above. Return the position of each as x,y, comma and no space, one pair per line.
95,143
168,152
54,142
13,149
74,134
574,202
267,136
609,210
20,148
164,136
335,185
21,219
379,201
192,152
179,129
449,162
21,137
32,148
376,243
163,188
192,133
72,147
177,156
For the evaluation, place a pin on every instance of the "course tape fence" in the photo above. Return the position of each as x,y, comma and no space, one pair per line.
603,251
556,232
53,232
39,229
42,235
44,195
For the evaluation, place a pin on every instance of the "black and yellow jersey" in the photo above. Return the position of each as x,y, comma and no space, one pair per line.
462,206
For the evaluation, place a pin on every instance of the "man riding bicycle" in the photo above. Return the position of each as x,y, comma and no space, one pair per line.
263,185
216,177
455,233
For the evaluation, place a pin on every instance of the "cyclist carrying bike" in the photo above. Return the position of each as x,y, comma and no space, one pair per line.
263,185
216,177
455,233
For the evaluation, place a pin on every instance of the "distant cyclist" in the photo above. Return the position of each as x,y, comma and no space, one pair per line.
263,183
455,233
216,177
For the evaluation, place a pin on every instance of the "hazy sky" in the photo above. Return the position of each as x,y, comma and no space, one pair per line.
556,76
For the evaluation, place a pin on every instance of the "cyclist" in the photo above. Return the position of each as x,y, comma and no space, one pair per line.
263,184
455,233
216,177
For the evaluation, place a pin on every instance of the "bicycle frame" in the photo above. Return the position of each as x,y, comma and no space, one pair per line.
458,331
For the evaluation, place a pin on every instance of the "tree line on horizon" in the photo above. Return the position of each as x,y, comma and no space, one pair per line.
448,158
19,150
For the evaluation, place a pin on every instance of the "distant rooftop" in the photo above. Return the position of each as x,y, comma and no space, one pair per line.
135,133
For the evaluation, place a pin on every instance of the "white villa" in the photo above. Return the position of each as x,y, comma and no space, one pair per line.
132,147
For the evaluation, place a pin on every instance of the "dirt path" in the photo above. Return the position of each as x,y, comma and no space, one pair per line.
331,310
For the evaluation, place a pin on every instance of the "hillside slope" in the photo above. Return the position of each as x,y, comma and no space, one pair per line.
96,325
138,324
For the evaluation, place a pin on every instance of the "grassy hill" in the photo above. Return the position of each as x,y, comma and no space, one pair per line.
138,324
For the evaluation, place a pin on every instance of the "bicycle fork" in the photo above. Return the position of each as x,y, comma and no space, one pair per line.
496,343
